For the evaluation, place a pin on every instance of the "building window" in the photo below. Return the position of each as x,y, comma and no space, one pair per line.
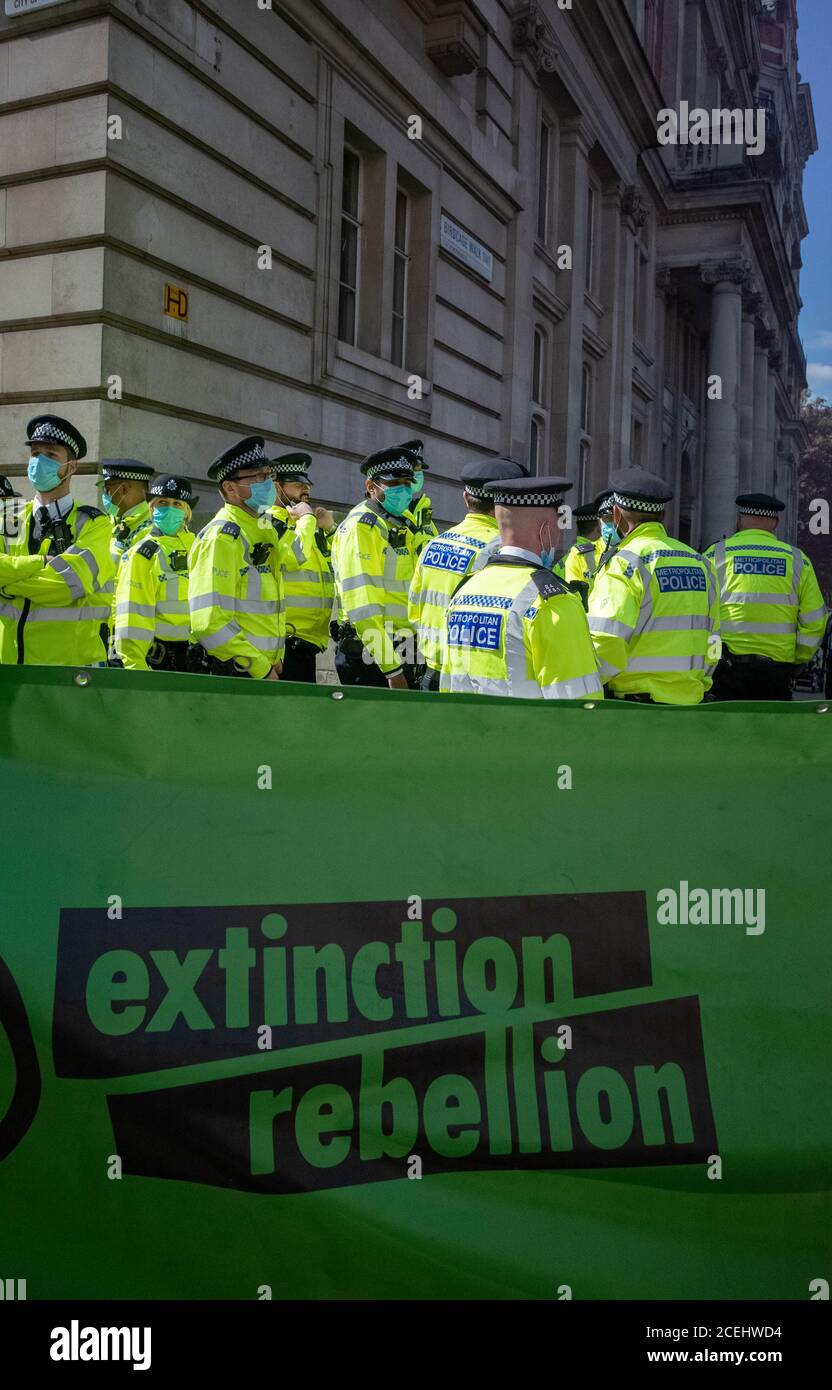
537,435
586,399
591,233
584,455
539,367
544,163
401,260
350,235
637,444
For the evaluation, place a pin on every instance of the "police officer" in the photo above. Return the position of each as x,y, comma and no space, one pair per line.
124,499
449,558
514,628
609,539
772,611
421,507
373,557
653,609
235,585
582,559
56,573
152,621
308,587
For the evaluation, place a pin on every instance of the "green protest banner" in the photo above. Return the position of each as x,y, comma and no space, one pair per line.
353,994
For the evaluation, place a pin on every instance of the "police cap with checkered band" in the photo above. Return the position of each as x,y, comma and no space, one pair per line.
636,490
246,453
126,471
292,467
178,489
6,488
388,463
528,492
415,448
477,474
587,512
759,504
54,429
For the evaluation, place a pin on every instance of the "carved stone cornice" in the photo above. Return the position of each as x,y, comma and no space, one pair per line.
634,205
765,337
735,271
532,33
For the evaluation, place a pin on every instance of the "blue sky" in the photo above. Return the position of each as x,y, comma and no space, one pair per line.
814,40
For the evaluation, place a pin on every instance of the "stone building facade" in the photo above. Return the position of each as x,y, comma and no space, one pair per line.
344,223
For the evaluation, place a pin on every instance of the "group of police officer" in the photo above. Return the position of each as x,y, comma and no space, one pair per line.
487,607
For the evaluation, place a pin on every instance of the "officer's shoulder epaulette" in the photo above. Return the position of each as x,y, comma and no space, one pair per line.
548,585
147,549
280,527
87,512
230,528
368,519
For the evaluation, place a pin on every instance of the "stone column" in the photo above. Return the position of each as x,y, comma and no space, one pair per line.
752,305
761,442
665,292
576,140
722,446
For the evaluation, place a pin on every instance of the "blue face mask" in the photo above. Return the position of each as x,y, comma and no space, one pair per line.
609,533
108,504
168,519
44,473
418,481
397,499
547,558
262,495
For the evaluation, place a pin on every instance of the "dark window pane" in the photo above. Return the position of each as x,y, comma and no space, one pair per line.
537,369
399,278
401,221
349,253
346,316
398,341
543,183
349,192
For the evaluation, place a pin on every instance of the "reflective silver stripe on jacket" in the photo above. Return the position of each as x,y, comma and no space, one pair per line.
38,614
760,628
665,663
209,640
68,575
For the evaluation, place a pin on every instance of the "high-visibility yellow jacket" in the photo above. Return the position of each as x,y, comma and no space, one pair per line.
421,509
770,601
440,569
11,511
235,586
53,606
581,562
373,557
128,528
152,596
513,628
308,586
654,618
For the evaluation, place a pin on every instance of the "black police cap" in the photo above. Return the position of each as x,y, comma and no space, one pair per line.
545,491
636,490
416,449
759,504
54,429
489,470
126,470
246,453
6,489
587,512
389,463
179,489
291,466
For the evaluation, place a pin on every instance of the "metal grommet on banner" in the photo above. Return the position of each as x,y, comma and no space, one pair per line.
589,706
337,694
81,678
823,709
